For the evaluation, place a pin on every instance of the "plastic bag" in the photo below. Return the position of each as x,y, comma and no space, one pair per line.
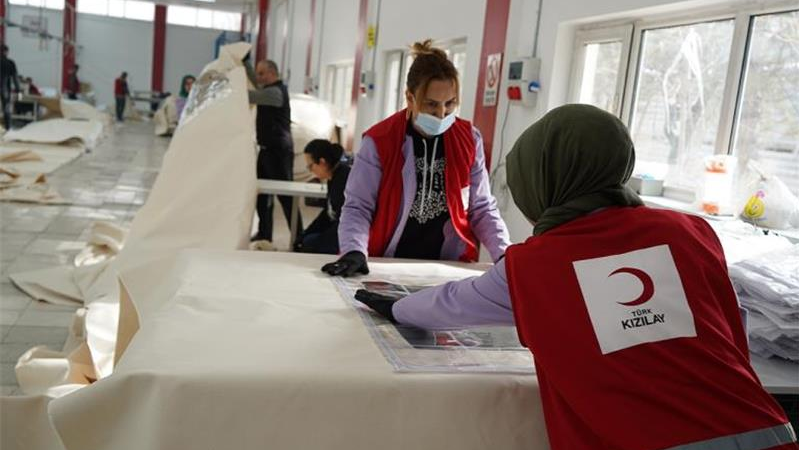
765,200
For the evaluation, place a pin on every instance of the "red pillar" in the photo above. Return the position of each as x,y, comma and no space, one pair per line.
260,46
68,53
495,28
243,25
159,49
356,81
2,21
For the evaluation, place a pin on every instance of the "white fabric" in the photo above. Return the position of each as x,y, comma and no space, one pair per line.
256,350
311,118
212,208
56,131
23,167
166,117
768,286
78,110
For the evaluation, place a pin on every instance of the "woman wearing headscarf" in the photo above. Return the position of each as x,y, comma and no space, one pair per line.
185,88
628,311
419,187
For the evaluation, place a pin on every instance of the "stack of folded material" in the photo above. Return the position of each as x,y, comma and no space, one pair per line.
768,287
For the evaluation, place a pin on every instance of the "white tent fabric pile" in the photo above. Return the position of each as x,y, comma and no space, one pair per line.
212,209
768,287
24,168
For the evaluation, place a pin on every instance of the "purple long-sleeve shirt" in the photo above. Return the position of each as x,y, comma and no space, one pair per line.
483,300
361,198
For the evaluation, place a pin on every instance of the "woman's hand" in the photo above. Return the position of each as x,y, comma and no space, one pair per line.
348,265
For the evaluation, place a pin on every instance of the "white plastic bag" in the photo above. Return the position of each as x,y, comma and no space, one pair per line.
765,200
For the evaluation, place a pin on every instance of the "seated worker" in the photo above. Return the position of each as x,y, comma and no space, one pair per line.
324,161
185,88
628,311
419,186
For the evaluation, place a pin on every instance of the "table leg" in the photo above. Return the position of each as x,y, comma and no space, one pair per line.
295,207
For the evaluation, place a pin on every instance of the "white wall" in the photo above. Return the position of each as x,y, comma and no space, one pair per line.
299,32
40,60
427,17
188,50
111,46
340,32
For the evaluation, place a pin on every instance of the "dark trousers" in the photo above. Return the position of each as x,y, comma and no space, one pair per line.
72,96
275,165
324,241
5,99
120,108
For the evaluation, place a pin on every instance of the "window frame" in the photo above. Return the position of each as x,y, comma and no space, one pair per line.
602,35
743,17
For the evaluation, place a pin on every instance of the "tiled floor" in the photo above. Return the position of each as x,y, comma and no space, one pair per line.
110,183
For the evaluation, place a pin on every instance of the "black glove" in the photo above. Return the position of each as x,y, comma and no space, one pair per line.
348,265
382,304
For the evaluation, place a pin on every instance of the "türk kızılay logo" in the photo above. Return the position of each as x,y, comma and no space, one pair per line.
634,298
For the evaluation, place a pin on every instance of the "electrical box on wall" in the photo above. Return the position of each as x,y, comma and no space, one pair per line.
523,80
367,82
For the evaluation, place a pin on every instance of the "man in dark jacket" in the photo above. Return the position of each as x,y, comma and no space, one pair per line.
8,76
276,148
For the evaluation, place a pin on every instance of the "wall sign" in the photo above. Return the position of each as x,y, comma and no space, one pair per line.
493,65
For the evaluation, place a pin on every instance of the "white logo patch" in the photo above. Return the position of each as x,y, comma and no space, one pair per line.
635,298
465,198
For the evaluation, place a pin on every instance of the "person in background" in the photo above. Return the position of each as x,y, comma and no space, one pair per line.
185,87
8,78
323,159
32,88
121,93
276,147
419,187
629,313
73,83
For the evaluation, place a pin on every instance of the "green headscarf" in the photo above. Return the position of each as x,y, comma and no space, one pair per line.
183,92
572,161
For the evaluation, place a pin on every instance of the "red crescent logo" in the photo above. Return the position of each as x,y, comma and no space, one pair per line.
649,286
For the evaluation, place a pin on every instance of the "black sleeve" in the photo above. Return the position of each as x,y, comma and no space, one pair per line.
14,75
335,189
319,224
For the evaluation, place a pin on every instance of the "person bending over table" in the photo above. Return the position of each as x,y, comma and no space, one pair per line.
419,187
323,159
628,311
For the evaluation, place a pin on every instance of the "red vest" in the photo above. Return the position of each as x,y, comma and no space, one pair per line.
459,148
636,333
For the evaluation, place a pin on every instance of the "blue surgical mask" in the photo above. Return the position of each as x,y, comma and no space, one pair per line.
432,125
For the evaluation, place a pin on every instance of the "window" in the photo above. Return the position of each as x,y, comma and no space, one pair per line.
726,83
338,89
97,7
181,15
678,96
600,67
49,4
203,18
398,63
768,119
116,8
139,10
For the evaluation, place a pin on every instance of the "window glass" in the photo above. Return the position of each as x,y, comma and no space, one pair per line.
99,7
601,75
180,15
768,118
139,10
678,96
